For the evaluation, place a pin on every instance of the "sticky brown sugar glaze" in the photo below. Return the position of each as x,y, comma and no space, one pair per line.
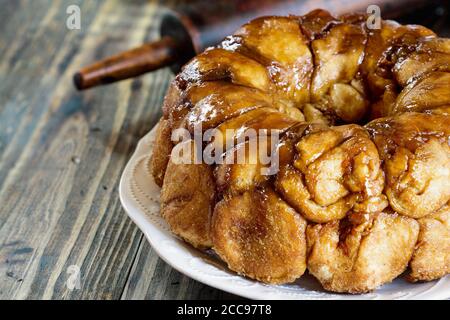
364,151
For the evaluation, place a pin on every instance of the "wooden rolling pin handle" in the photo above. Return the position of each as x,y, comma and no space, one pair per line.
128,64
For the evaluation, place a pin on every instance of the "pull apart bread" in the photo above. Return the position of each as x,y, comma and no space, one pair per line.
362,188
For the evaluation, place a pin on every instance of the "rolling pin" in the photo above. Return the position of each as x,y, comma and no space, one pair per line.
193,26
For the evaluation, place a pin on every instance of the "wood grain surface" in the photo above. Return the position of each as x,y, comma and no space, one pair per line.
62,153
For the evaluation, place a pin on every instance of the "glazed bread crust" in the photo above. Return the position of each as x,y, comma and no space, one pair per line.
363,185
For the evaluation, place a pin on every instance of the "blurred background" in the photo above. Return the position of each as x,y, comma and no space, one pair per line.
62,151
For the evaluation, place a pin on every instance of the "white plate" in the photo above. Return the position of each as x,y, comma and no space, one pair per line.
140,197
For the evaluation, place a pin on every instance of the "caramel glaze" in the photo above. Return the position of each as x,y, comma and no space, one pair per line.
360,188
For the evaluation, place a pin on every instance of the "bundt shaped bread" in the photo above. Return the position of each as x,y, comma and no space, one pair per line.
362,187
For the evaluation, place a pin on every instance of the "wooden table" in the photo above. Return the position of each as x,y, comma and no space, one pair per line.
62,153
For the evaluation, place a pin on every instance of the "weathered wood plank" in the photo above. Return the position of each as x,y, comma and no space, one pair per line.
59,194
30,68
